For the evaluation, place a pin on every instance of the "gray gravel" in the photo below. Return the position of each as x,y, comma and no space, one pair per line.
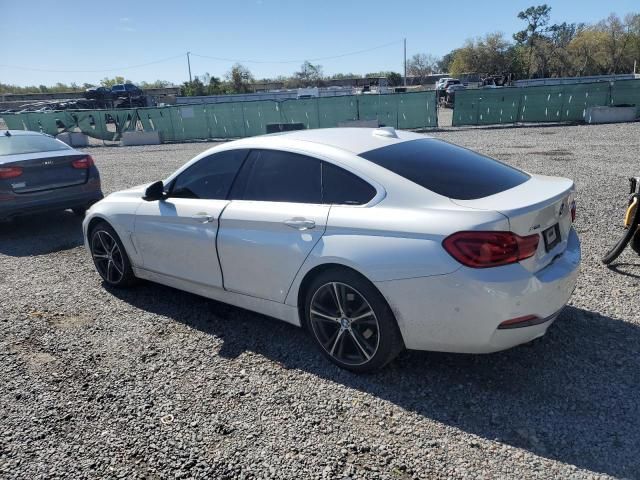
157,383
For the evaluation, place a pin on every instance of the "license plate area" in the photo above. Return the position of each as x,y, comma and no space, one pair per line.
551,237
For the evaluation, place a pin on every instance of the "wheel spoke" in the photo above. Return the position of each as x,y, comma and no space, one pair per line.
360,317
323,316
115,265
109,269
337,299
100,256
104,247
354,335
335,342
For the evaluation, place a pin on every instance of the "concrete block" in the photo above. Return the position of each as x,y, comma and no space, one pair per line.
360,123
610,114
74,139
140,138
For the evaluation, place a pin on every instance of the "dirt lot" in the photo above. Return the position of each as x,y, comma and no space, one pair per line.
156,383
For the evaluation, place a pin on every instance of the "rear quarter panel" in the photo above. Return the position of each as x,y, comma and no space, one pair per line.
390,243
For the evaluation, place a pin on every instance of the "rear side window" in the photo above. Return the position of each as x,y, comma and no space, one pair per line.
277,176
18,144
447,169
210,177
340,187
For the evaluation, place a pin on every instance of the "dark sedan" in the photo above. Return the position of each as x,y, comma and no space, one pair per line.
39,173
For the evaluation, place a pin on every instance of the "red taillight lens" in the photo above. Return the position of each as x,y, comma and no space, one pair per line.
490,249
573,211
85,162
525,321
10,172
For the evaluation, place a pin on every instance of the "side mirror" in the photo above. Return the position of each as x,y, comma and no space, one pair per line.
155,191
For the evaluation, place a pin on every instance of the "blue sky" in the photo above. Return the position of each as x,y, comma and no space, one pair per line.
96,39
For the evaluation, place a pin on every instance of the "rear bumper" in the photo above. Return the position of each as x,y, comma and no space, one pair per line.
461,311
47,200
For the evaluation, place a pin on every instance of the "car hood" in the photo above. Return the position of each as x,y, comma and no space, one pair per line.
134,192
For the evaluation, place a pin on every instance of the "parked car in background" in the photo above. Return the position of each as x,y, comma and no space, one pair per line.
98,93
372,240
126,90
450,95
39,173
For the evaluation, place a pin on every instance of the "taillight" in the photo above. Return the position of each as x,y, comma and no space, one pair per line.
10,172
490,249
85,162
573,211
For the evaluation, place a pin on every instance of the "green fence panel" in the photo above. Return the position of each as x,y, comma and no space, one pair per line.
158,120
192,122
304,111
417,110
497,106
15,121
541,104
334,110
581,96
226,120
368,107
257,115
551,103
626,92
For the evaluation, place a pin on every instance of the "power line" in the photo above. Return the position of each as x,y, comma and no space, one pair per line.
224,59
103,70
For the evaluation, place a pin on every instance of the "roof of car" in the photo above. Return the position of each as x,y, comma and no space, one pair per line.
19,132
354,140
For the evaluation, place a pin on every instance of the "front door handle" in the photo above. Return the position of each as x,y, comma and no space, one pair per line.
203,218
300,223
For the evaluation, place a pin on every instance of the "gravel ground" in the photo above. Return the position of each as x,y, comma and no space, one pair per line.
157,383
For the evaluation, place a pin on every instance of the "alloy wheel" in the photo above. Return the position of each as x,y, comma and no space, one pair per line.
344,323
107,256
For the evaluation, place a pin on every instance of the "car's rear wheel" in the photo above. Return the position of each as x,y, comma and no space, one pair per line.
110,257
350,321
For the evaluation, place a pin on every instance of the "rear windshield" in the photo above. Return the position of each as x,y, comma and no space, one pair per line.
447,169
17,144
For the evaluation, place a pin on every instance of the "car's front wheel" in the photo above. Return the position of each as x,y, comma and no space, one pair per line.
350,321
110,257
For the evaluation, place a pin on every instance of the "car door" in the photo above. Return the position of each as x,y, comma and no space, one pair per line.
176,236
274,220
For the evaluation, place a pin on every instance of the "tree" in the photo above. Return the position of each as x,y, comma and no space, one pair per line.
194,88
239,78
110,82
537,19
421,65
394,79
309,74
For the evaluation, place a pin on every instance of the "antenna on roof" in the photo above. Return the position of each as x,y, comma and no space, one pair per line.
7,133
388,132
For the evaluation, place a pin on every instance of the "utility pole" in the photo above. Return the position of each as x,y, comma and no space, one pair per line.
405,62
189,64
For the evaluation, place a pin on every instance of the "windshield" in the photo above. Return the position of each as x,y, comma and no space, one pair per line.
19,144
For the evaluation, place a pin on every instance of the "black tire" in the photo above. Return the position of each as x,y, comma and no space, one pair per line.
111,262
357,344
635,242
619,247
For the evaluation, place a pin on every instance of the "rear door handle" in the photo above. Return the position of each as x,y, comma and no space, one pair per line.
203,218
300,223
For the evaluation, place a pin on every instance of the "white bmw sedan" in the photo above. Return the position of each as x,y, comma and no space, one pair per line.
372,240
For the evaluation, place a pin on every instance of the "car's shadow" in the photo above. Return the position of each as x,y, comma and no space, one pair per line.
40,234
575,392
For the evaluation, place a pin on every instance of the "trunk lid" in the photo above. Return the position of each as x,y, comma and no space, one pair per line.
46,171
534,207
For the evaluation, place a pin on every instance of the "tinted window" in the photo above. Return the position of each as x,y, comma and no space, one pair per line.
17,144
344,188
210,177
447,169
275,176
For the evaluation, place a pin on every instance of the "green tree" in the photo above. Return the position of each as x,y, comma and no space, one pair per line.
309,74
110,82
421,65
240,79
537,19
